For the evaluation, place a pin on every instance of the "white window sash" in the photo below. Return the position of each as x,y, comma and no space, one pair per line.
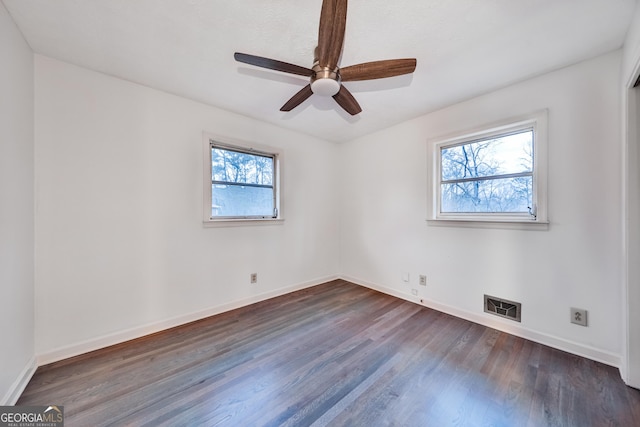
538,212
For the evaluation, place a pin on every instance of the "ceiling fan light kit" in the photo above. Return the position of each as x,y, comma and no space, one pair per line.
326,77
325,82
325,87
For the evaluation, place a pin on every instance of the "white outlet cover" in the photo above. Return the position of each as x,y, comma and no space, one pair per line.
579,316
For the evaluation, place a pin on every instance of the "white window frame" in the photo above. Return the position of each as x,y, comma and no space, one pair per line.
536,122
210,139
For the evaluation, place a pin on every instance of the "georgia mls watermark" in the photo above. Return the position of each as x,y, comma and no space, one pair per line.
31,416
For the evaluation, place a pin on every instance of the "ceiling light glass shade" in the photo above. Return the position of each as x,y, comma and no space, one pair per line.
325,87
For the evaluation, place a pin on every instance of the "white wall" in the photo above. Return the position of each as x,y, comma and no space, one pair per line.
16,210
120,245
576,262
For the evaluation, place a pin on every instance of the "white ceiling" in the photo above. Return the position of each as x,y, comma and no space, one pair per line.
463,48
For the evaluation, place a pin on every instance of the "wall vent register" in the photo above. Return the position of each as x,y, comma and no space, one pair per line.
503,308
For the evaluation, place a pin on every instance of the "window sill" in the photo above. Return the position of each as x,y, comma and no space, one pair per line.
490,223
242,222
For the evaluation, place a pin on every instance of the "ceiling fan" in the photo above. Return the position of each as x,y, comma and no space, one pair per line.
326,77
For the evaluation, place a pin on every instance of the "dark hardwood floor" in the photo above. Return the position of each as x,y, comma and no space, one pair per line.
335,354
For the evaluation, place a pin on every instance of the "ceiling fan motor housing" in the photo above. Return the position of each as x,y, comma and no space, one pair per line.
325,81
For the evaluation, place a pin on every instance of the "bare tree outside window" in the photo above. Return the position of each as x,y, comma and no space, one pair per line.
242,183
488,176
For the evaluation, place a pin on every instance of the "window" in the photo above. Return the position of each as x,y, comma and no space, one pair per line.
495,174
241,182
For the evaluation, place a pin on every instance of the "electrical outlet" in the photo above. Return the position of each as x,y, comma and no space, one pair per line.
254,277
423,280
579,316
414,292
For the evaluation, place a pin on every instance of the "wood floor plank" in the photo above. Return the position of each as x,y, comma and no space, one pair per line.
336,354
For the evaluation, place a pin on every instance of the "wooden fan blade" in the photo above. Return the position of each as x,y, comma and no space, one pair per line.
272,64
378,69
333,21
325,30
297,99
347,101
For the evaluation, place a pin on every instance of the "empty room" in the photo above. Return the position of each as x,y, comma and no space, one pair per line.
248,213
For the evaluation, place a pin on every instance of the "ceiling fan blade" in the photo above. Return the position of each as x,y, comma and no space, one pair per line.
297,99
378,69
272,64
347,101
333,21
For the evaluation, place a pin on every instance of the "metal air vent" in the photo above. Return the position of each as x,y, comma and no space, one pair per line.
502,307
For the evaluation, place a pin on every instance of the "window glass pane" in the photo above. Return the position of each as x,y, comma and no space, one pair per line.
491,195
501,155
238,200
242,184
234,166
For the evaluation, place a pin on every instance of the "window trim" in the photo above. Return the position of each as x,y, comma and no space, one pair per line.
535,121
233,144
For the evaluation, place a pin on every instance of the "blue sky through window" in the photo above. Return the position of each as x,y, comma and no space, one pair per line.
489,175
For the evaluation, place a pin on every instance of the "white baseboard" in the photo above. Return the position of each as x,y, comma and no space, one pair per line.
500,324
13,394
140,331
137,332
